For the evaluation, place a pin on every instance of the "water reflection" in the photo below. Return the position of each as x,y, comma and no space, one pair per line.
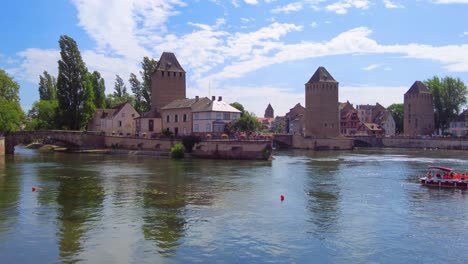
9,193
80,197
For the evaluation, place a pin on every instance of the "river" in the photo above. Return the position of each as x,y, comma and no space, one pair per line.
362,206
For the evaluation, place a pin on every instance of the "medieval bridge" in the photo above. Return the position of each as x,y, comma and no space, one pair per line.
74,140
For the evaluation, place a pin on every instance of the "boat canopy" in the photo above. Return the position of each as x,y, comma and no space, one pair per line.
441,168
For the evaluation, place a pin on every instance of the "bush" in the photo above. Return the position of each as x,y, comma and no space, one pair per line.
189,142
177,151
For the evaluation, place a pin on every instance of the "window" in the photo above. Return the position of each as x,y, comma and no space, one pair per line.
234,116
195,128
151,125
208,127
168,119
208,115
162,73
218,115
185,118
119,123
185,131
176,118
195,116
227,116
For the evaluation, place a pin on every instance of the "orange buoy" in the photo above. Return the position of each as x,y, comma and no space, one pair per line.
282,197
33,188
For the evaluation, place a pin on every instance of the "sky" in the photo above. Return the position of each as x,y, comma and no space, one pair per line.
254,52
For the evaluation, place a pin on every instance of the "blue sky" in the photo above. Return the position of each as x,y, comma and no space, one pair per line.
251,51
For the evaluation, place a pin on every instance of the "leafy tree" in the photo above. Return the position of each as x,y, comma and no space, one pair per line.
11,114
450,95
189,142
75,93
239,107
42,115
47,87
247,123
397,112
99,89
148,66
177,151
120,90
137,89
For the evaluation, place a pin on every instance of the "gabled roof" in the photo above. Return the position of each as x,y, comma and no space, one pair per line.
372,126
185,103
149,114
321,75
109,113
418,87
269,107
215,106
168,62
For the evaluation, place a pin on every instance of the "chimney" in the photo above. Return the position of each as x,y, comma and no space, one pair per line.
220,98
213,98
197,98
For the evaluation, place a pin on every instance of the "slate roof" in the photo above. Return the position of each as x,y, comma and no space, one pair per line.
418,87
110,112
168,62
216,106
149,114
185,103
321,75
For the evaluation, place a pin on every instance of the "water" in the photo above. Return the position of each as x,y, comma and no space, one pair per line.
364,206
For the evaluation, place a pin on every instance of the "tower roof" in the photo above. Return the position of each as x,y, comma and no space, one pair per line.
321,75
417,88
169,62
269,107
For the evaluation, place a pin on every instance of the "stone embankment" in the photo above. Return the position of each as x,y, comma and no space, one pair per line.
433,143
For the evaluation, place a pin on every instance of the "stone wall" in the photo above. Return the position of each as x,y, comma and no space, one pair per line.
461,144
140,143
226,149
300,142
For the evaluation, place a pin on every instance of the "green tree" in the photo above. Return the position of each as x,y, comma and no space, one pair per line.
397,112
42,115
47,87
137,89
75,93
239,107
450,94
247,123
99,89
11,114
148,66
120,90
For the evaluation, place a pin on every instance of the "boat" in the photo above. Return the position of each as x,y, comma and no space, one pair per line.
444,177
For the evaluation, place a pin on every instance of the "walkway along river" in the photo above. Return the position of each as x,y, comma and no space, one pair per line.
344,207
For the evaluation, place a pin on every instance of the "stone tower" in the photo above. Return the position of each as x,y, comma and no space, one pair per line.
167,82
269,112
322,117
418,111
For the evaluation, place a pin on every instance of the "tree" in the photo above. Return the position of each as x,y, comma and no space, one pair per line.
148,66
99,89
247,123
47,87
11,114
449,95
137,90
119,87
397,112
42,115
239,107
74,89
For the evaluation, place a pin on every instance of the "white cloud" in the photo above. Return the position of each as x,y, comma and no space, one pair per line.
251,2
372,67
451,1
35,61
289,8
390,4
341,7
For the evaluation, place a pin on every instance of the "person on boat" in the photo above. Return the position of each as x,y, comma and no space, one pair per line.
438,176
429,175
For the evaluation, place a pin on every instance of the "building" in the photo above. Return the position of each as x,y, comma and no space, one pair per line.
167,82
321,115
212,116
295,120
177,115
386,121
119,120
269,112
349,120
370,129
459,127
379,115
418,111
148,124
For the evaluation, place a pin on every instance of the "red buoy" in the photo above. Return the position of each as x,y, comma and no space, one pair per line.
33,189
282,197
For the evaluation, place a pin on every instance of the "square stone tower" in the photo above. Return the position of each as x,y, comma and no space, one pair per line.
322,116
167,82
418,110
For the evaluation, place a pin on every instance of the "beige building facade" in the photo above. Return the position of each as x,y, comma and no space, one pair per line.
322,110
177,115
212,117
418,111
119,120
